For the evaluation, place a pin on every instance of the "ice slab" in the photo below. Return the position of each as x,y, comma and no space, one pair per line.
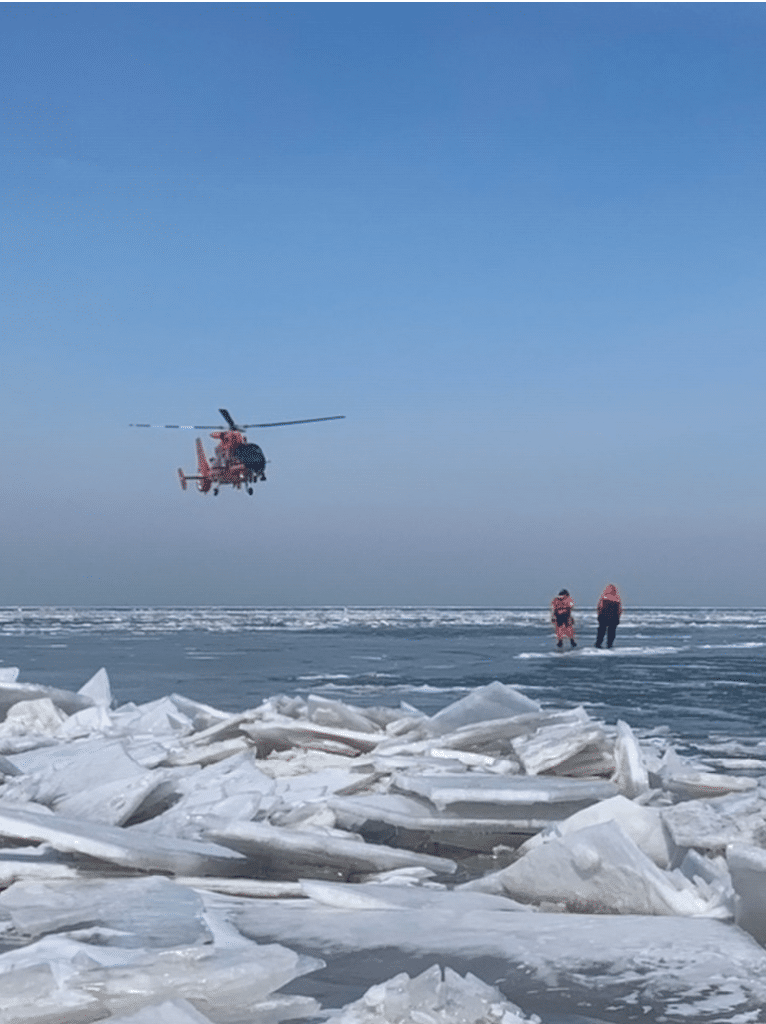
124,847
97,690
416,822
682,778
598,870
88,722
58,756
33,863
372,896
551,746
131,912
160,718
517,796
284,851
202,716
747,865
223,728
335,713
275,735
711,825
252,888
497,700
77,767
644,825
630,773
691,785
11,692
97,782
210,753
113,803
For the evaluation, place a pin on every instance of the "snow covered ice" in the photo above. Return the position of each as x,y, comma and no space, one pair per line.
307,859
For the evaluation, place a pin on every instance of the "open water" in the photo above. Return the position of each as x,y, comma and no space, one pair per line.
694,676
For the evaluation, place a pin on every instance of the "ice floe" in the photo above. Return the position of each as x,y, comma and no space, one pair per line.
309,859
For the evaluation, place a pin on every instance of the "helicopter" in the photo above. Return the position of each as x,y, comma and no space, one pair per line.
235,461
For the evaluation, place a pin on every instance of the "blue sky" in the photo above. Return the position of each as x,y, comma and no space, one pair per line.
519,246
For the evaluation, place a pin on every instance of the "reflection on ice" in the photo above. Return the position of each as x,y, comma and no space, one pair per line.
173,863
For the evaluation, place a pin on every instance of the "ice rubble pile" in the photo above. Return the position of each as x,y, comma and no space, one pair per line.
145,850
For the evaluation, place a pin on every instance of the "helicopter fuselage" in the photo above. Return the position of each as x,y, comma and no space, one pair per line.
235,462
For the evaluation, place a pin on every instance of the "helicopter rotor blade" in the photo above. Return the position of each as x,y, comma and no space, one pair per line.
232,425
287,423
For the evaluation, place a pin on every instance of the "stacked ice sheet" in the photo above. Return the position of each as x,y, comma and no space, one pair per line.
173,863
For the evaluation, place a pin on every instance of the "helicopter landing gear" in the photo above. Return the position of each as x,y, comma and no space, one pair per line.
263,476
215,492
250,490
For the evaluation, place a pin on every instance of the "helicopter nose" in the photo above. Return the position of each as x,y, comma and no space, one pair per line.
251,456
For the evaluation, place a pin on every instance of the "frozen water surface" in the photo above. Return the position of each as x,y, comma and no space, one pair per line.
385,815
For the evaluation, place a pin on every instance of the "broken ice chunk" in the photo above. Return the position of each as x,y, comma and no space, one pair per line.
11,692
550,746
747,865
712,824
32,716
281,735
32,994
433,997
209,753
644,825
87,722
125,847
111,804
97,690
74,769
497,700
335,713
598,870
159,718
630,772
689,785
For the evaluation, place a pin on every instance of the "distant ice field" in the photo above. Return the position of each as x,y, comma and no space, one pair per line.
696,674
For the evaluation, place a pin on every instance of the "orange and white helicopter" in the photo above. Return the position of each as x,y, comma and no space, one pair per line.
235,461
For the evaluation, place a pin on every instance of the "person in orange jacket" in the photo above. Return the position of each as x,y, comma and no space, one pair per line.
608,612
561,617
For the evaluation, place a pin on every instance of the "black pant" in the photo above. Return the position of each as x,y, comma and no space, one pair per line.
608,629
